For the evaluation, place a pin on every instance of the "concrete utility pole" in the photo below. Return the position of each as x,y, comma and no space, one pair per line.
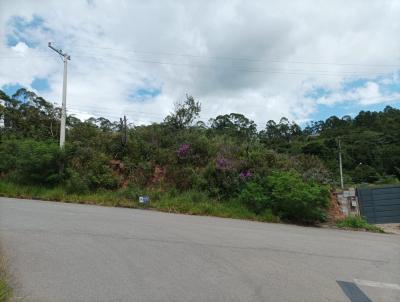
340,165
65,58
124,130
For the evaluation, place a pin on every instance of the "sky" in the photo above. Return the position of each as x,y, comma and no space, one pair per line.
305,60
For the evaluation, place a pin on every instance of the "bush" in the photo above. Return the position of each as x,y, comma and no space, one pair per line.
288,196
358,222
32,161
132,191
92,167
268,216
365,173
76,184
296,200
254,196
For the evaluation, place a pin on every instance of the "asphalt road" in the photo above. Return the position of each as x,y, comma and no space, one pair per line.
68,252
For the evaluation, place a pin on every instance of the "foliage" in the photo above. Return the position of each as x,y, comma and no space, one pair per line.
235,125
295,199
365,173
194,203
254,196
185,113
31,161
280,171
75,184
288,196
5,289
358,222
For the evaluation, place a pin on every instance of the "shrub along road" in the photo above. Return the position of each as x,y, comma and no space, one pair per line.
71,252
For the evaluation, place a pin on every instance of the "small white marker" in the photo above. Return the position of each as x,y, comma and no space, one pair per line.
377,284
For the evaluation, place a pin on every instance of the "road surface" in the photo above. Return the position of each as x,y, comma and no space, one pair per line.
69,252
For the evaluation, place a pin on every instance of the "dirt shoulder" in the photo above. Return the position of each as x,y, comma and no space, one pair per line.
390,227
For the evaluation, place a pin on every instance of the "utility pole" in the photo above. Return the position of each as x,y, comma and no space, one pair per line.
340,165
65,58
124,130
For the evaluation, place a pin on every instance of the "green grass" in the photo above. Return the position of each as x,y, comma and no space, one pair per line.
359,223
191,202
5,289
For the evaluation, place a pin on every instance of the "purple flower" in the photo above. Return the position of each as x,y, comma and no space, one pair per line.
245,175
183,150
222,163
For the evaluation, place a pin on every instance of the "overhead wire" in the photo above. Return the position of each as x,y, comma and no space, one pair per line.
300,72
230,67
237,58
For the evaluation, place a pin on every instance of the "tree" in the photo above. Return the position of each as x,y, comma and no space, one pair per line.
185,114
236,125
365,173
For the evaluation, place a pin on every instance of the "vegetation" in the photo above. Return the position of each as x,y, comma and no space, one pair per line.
224,167
288,196
5,289
358,223
189,202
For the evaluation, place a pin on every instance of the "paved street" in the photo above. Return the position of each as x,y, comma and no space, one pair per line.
69,252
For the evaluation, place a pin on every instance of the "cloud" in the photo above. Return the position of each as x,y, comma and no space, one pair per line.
363,92
265,59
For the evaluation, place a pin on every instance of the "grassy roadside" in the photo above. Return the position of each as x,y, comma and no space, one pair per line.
192,203
5,289
358,223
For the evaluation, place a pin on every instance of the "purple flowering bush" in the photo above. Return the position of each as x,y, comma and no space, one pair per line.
223,163
245,175
183,151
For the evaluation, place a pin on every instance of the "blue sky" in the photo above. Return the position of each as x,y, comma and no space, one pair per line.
349,103
328,66
144,93
20,29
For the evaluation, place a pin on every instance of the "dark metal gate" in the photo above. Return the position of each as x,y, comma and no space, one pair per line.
381,204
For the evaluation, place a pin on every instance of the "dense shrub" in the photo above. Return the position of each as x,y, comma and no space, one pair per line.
288,196
29,161
294,199
255,196
91,166
76,184
365,173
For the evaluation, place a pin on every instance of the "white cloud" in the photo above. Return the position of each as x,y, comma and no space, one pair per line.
20,48
286,48
368,94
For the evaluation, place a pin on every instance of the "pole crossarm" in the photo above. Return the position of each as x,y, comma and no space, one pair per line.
60,52
66,57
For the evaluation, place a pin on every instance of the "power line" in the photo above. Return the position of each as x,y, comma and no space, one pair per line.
230,58
105,110
233,68
322,73
240,58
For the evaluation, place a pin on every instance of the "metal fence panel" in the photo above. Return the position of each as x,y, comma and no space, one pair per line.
381,204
